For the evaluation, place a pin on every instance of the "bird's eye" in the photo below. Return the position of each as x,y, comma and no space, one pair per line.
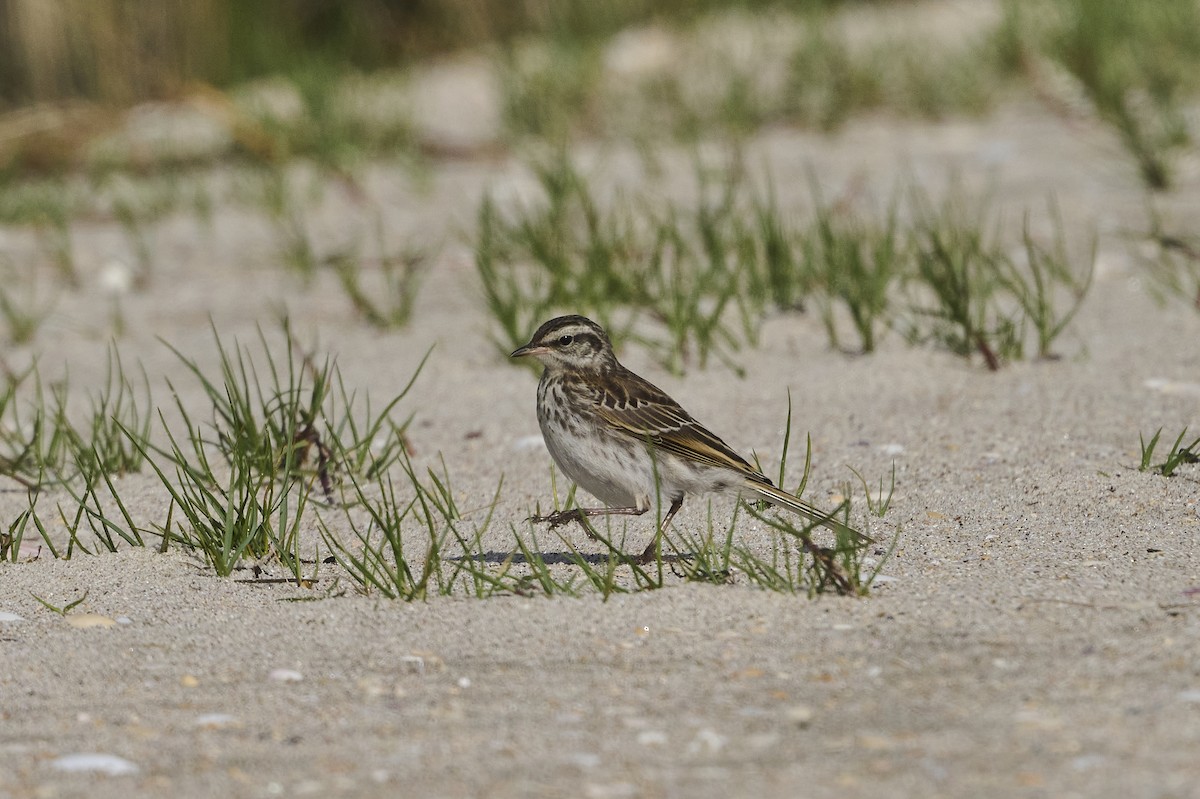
565,341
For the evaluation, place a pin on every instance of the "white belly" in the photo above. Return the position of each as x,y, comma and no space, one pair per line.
616,470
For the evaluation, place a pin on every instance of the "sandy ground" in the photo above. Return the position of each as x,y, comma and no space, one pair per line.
1038,633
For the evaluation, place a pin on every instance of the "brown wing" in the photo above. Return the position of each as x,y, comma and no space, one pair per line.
637,406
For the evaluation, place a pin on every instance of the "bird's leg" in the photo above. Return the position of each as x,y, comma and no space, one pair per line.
581,515
824,560
648,554
832,571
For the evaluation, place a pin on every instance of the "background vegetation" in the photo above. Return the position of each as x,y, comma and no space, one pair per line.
125,50
297,469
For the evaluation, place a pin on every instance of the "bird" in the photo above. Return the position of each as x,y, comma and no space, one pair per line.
625,441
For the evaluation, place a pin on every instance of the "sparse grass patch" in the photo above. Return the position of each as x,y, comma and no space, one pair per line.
956,265
139,202
36,435
11,538
88,507
541,578
282,427
21,310
694,283
1175,457
694,273
1139,65
401,541
707,558
291,407
117,424
382,561
384,299
547,87
284,200
41,445
856,263
1174,267
249,516
799,563
830,81
879,502
979,297
1047,272
321,111
47,207
44,444
65,608
539,258
827,84
731,71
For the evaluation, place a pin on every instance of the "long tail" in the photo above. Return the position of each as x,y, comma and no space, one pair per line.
793,503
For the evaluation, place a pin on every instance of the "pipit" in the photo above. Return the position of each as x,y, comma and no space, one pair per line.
615,433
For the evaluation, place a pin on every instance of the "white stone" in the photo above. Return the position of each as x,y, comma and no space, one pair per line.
93,762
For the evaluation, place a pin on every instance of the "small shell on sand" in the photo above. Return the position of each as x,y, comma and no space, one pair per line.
91,762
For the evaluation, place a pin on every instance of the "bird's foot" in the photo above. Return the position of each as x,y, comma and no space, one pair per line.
559,518
648,554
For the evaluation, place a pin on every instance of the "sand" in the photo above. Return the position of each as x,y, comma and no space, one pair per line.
1037,633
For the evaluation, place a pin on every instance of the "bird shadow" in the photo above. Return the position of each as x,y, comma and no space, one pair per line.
559,558
549,558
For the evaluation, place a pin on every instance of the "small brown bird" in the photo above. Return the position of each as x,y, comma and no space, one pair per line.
613,433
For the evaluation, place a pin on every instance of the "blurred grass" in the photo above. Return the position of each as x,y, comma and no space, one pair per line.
638,69
120,51
1136,62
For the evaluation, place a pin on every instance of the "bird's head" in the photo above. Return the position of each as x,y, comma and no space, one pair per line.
570,342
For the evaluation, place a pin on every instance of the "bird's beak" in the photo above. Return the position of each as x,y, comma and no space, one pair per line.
528,349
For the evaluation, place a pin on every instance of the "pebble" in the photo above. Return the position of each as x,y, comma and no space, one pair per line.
584,759
707,741
6,616
611,790
762,740
116,277
1088,762
415,664
1165,386
285,675
216,721
92,762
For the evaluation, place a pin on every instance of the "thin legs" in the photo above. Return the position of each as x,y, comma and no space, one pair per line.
651,550
581,515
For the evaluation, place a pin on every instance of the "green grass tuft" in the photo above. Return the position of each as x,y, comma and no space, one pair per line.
1176,456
